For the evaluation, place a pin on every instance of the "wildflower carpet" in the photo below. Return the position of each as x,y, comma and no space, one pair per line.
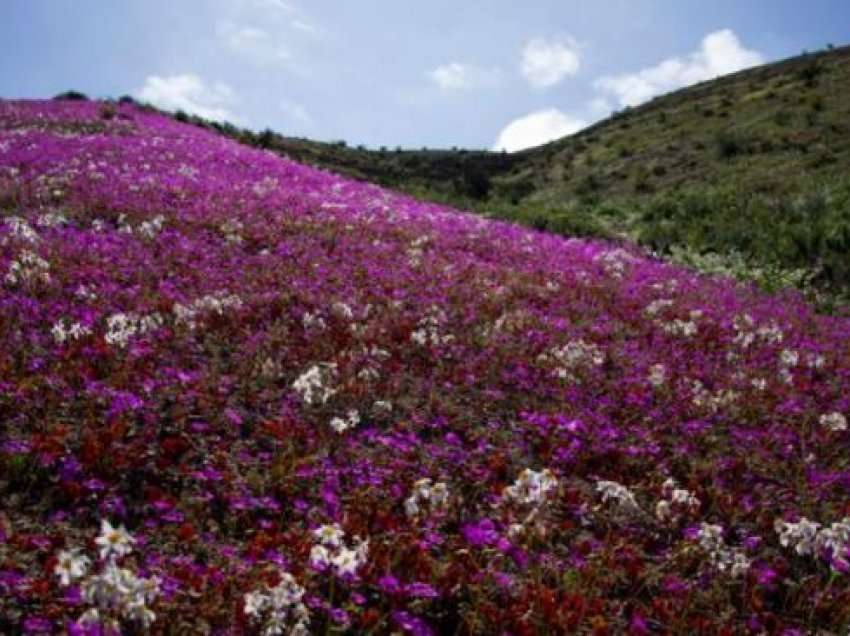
240,395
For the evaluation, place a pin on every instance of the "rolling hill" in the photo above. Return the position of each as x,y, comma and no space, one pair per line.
746,174
240,395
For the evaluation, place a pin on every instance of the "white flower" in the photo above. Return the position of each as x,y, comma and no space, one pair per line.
329,535
279,609
112,540
677,327
70,566
435,496
314,384
657,305
531,487
789,358
319,556
573,355
345,562
834,421
341,425
411,506
255,603
684,497
801,536
313,321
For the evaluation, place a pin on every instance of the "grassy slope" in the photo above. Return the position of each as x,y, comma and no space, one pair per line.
767,128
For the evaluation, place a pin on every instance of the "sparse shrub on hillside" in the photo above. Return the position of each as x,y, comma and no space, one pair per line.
810,72
74,96
731,143
265,139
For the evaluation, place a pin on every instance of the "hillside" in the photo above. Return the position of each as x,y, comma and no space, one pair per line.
241,395
752,167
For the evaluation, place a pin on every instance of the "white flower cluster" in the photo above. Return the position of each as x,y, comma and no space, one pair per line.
432,496
332,551
216,303
121,327
313,321
802,536
808,538
723,558
314,385
51,219
116,593
29,266
19,229
746,334
531,487
656,306
61,333
415,250
614,261
788,359
703,398
340,425
676,500
835,422
683,328
621,496
343,310
149,229
279,609
572,356
232,230
428,329
123,226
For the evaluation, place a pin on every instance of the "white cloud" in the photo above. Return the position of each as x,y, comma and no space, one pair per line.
537,128
456,76
255,44
547,62
721,52
190,94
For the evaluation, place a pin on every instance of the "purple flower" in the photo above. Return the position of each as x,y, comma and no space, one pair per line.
480,534
389,584
339,616
412,624
421,590
37,625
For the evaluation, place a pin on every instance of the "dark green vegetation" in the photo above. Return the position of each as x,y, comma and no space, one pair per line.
747,175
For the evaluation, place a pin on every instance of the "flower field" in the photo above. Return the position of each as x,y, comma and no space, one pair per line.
239,395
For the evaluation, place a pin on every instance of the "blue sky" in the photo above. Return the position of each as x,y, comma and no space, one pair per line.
441,73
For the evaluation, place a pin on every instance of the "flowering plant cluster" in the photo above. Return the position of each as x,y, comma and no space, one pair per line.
306,404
